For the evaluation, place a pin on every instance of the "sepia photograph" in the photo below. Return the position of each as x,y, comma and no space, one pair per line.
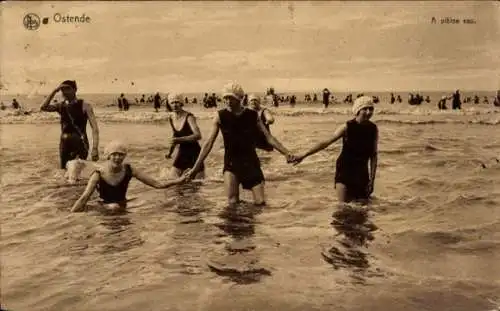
250,156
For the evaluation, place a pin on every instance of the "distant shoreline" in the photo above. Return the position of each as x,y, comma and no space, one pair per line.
82,94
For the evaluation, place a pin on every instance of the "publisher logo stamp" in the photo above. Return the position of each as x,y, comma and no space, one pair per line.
31,21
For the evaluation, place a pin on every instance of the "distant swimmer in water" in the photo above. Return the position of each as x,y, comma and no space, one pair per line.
239,127
496,102
456,102
112,179
267,119
442,102
74,114
353,179
157,101
186,135
326,97
15,104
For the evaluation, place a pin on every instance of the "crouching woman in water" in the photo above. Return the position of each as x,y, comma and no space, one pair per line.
112,179
353,179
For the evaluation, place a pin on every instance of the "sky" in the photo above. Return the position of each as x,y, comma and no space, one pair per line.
136,47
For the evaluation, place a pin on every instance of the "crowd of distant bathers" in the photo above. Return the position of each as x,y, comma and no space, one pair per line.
16,108
273,99
328,98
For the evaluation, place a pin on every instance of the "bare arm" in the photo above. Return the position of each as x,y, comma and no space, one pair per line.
322,145
150,181
269,116
171,150
93,124
46,106
172,144
207,146
374,159
271,139
196,131
82,201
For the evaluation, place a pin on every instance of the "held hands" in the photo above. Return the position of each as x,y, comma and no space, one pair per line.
290,158
294,159
183,178
189,174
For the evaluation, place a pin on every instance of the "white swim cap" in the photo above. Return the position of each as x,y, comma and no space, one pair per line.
234,90
115,146
175,97
254,97
361,103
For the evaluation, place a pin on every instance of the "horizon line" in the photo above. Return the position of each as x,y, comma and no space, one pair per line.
250,92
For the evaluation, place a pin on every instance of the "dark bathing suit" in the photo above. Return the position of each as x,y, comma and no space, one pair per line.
352,164
157,102
74,141
114,194
261,141
189,150
456,103
240,158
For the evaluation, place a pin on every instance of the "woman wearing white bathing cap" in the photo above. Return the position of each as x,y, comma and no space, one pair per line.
354,180
239,127
186,135
267,119
112,179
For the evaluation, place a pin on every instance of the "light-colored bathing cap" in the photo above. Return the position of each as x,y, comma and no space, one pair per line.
115,146
253,97
234,90
361,103
175,97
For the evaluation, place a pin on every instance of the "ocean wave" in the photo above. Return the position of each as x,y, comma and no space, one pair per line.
383,115
446,121
478,237
470,199
388,111
422,182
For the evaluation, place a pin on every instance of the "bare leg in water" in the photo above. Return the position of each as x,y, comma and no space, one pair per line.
232,186
341,190
233,190
259,197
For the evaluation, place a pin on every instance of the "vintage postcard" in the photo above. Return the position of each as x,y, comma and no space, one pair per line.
250,155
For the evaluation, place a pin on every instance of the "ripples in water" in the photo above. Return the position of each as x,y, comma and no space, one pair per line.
239,260
435,206
354,231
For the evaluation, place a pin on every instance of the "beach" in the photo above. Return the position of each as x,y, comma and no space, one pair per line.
435,205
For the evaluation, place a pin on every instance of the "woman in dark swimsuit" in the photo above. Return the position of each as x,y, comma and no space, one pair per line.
353,179
186,134
239,127
267,119
111,180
